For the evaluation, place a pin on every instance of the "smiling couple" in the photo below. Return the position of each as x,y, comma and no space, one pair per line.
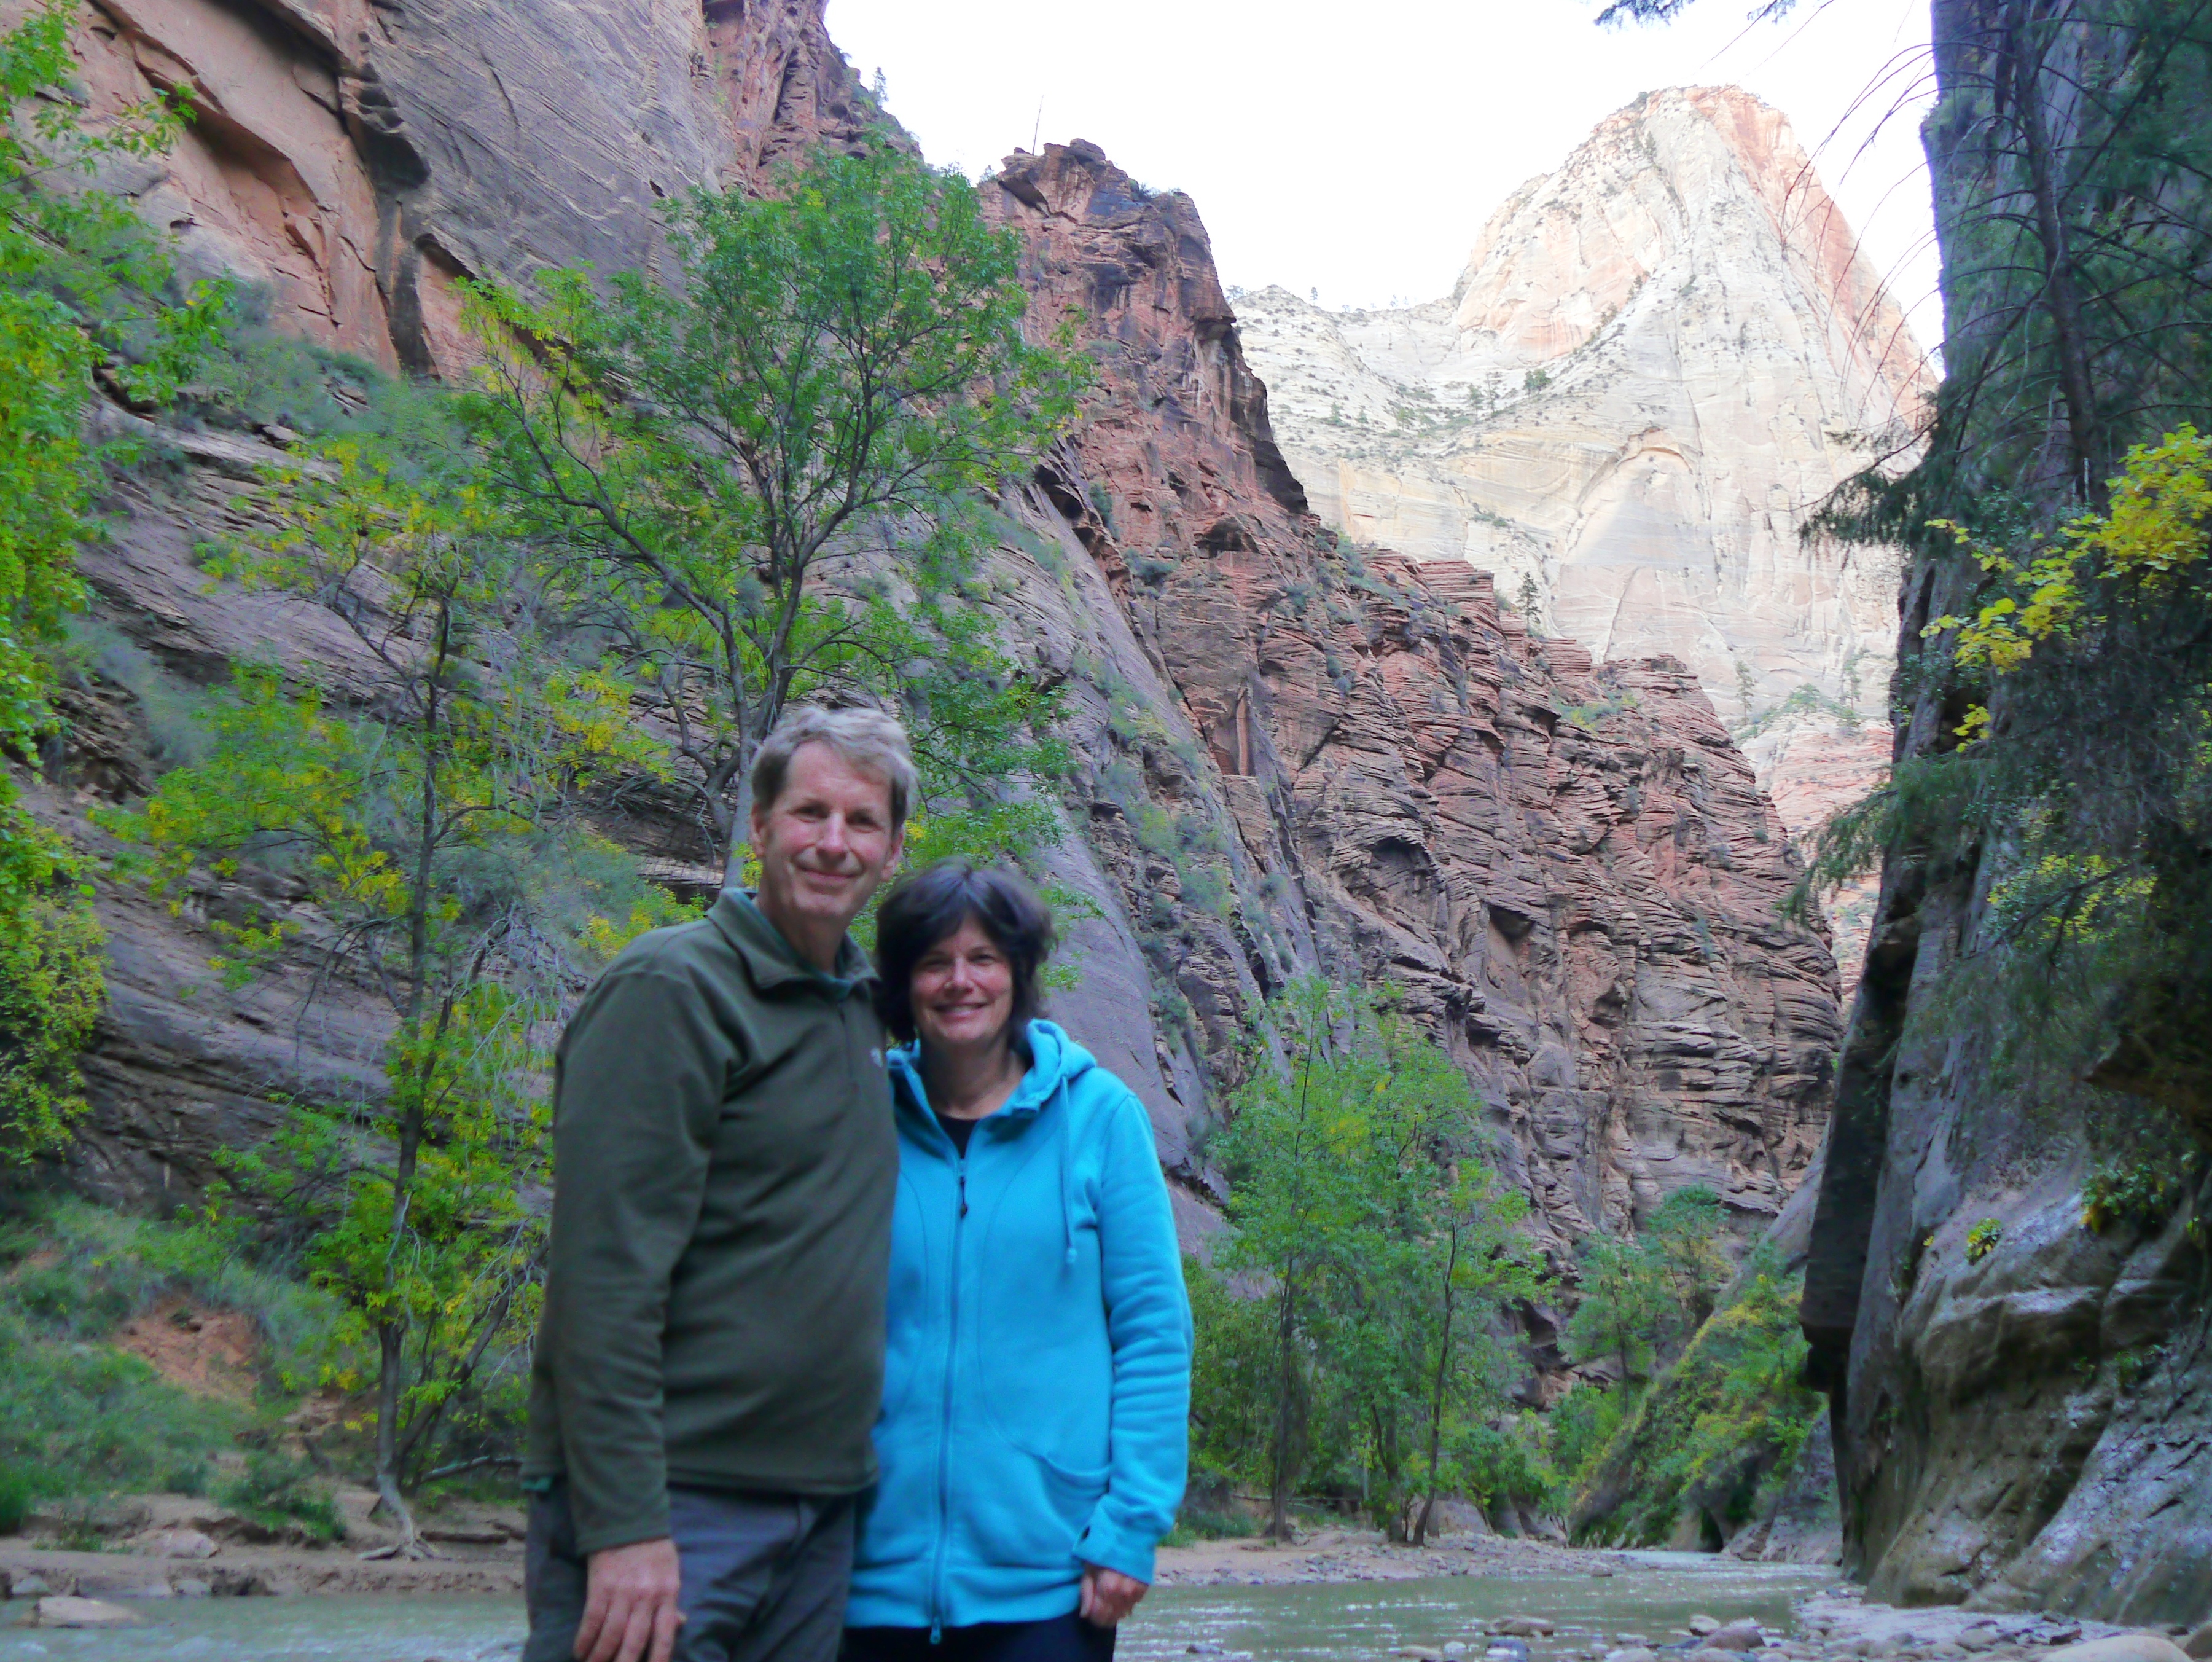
834,1334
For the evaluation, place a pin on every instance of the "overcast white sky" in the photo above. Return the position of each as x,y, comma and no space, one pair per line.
1358,149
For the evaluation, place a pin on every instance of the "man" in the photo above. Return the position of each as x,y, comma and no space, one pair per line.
711,1357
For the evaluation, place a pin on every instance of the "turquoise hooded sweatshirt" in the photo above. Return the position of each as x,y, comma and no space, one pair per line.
1037,1381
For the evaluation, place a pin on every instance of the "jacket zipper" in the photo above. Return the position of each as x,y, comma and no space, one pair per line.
945,1429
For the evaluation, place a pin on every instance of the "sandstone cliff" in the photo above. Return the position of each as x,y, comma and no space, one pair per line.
2019,1378
1289,758
1658,361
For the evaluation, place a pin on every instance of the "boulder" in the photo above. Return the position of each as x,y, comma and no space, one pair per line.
66,1612
178,1543
33,1585
2126,1647
2199,1643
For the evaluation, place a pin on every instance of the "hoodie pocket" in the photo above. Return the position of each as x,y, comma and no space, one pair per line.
1032,1510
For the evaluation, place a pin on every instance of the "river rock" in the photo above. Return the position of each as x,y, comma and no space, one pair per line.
192,1586
62,1612
1522,1627
1419,1653
1632,1654
1737,1636
178,1543
2126,1647
2199,1643
1702,1625
34,1586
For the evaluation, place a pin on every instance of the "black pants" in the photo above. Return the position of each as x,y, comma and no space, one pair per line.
764,1576
1062,1639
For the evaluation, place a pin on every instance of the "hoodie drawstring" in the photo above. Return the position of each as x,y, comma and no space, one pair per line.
1066,1173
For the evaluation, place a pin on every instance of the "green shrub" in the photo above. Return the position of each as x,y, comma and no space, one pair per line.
1196,1524
277,1492
17,1495
52,984
1982,1239
1713,1430
80,1418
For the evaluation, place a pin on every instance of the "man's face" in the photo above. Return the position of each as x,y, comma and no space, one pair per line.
826,842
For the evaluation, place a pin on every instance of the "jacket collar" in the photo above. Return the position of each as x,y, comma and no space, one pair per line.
772,961
1055,1059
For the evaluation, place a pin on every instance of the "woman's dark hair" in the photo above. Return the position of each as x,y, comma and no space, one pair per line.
924,909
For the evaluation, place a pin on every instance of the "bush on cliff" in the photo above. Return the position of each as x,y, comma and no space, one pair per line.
85,291
1694,1461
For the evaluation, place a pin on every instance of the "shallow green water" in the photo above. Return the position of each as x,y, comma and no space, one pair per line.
1359,1622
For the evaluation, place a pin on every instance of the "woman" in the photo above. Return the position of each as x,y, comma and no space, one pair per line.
1038,1377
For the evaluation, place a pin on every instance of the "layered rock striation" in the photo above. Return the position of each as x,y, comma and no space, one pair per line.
1291,758
1659,359
1569,871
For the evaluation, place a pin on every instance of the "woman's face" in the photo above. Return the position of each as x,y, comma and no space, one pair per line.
963,991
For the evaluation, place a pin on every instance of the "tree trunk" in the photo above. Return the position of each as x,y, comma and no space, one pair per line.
391,1344
2061,299
1420,1529
1278,1472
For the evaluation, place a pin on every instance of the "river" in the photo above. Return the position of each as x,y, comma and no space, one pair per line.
1355,1622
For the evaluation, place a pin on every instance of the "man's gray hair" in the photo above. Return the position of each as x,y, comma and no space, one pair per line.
868,739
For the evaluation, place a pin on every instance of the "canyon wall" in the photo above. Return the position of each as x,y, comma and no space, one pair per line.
2018,1378
1289,757
1658,361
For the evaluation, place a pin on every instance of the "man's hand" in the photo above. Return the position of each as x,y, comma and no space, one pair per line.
629,1604
1109,1595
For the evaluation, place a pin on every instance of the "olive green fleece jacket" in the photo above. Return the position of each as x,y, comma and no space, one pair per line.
725,1165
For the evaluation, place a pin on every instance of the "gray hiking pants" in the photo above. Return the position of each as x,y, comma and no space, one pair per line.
765,1575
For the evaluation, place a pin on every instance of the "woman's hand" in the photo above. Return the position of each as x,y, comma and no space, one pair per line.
1109,1595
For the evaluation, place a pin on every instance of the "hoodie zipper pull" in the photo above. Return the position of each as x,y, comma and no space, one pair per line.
963,1186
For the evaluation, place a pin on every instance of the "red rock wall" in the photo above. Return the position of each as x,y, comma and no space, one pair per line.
1286,762
1571,872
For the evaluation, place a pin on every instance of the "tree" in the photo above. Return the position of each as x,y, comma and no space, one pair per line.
432,828
766,482
1387,1251
85,291
1641,1301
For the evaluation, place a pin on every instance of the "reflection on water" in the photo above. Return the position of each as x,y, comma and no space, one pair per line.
1363,1622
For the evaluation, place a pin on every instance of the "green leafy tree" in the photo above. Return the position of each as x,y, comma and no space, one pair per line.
1639,1302
765,482
429,827
85,291
1386,1252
